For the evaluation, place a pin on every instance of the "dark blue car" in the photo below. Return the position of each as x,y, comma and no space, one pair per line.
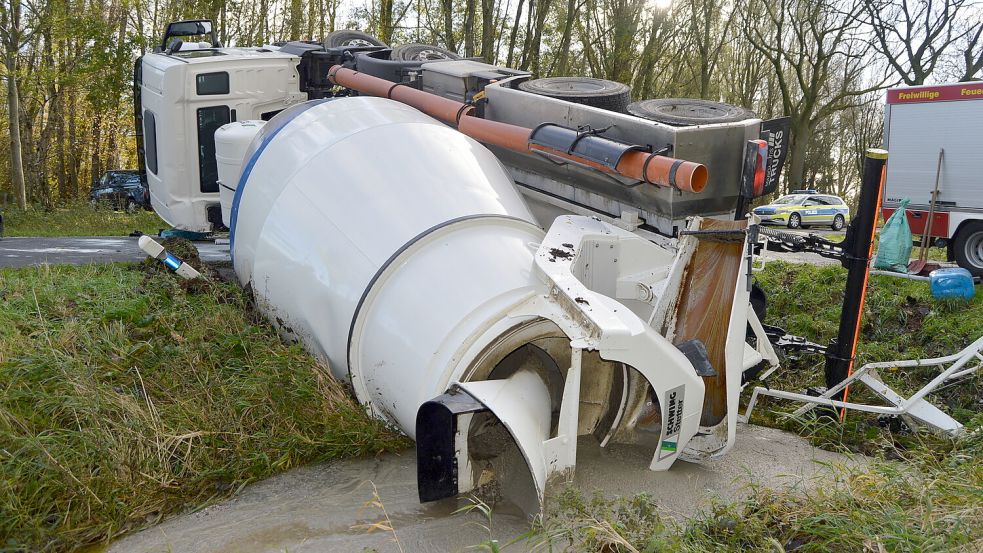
123,190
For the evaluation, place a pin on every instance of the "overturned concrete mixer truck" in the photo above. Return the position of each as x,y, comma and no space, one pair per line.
497,265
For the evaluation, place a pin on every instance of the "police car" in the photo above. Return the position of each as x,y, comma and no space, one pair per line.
805,208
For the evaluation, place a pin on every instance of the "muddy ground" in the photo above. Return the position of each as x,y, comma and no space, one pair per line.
328,507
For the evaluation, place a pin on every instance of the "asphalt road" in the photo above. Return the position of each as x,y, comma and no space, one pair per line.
28,251
78,250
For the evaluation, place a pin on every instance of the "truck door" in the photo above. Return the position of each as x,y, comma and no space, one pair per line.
209,119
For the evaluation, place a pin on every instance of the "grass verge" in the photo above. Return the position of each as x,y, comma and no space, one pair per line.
125,397
921,493
79,219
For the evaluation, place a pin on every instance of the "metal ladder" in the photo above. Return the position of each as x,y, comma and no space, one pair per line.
916,410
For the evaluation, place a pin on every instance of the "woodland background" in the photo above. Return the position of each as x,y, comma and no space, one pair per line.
67,64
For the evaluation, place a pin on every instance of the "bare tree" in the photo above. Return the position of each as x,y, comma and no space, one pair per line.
654,72
609,37
818,59
708,29
913,35
972,54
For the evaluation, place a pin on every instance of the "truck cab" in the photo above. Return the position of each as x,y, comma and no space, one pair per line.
184,97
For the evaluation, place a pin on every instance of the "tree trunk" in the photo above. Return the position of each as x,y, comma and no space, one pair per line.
527,41
469,19
386,23
296,18
13,105
95,167
16,155
64,192
542,10
564,51
447,10
488,30
74,161
514,34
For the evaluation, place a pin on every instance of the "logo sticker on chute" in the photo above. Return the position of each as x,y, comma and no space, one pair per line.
673,420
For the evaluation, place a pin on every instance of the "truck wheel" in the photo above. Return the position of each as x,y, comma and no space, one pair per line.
968,247
688,111
838,222
794,220
346,37
599,93
422,52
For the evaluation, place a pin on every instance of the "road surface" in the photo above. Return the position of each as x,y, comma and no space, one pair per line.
78,250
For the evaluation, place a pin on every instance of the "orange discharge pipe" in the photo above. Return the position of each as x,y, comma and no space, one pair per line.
634,164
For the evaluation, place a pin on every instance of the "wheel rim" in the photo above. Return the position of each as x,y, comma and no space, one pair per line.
838,222
974,249
429,55
357,42
794,220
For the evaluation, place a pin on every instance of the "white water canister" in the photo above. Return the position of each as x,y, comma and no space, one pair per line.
231,142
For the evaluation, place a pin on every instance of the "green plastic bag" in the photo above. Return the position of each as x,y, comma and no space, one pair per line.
895,246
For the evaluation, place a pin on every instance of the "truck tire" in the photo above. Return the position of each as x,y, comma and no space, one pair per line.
347,37
968,247
422,52
794,220
688,111
598,93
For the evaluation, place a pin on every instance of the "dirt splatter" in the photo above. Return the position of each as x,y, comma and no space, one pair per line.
558,253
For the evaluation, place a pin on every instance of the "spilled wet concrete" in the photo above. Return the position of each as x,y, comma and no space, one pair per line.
329,507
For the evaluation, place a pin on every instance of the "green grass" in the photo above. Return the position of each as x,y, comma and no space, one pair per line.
125,397
921,493
932,501
901,321
78,219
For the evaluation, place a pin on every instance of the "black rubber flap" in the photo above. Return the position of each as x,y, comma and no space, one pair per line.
696,352
436,425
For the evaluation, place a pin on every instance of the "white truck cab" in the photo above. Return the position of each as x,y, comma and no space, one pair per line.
184,96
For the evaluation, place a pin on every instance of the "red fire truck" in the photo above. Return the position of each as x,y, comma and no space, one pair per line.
919,122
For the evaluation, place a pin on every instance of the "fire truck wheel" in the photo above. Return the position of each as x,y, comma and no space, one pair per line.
838,222
422,52
968,247
346,37
688,111
794,220
599,93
